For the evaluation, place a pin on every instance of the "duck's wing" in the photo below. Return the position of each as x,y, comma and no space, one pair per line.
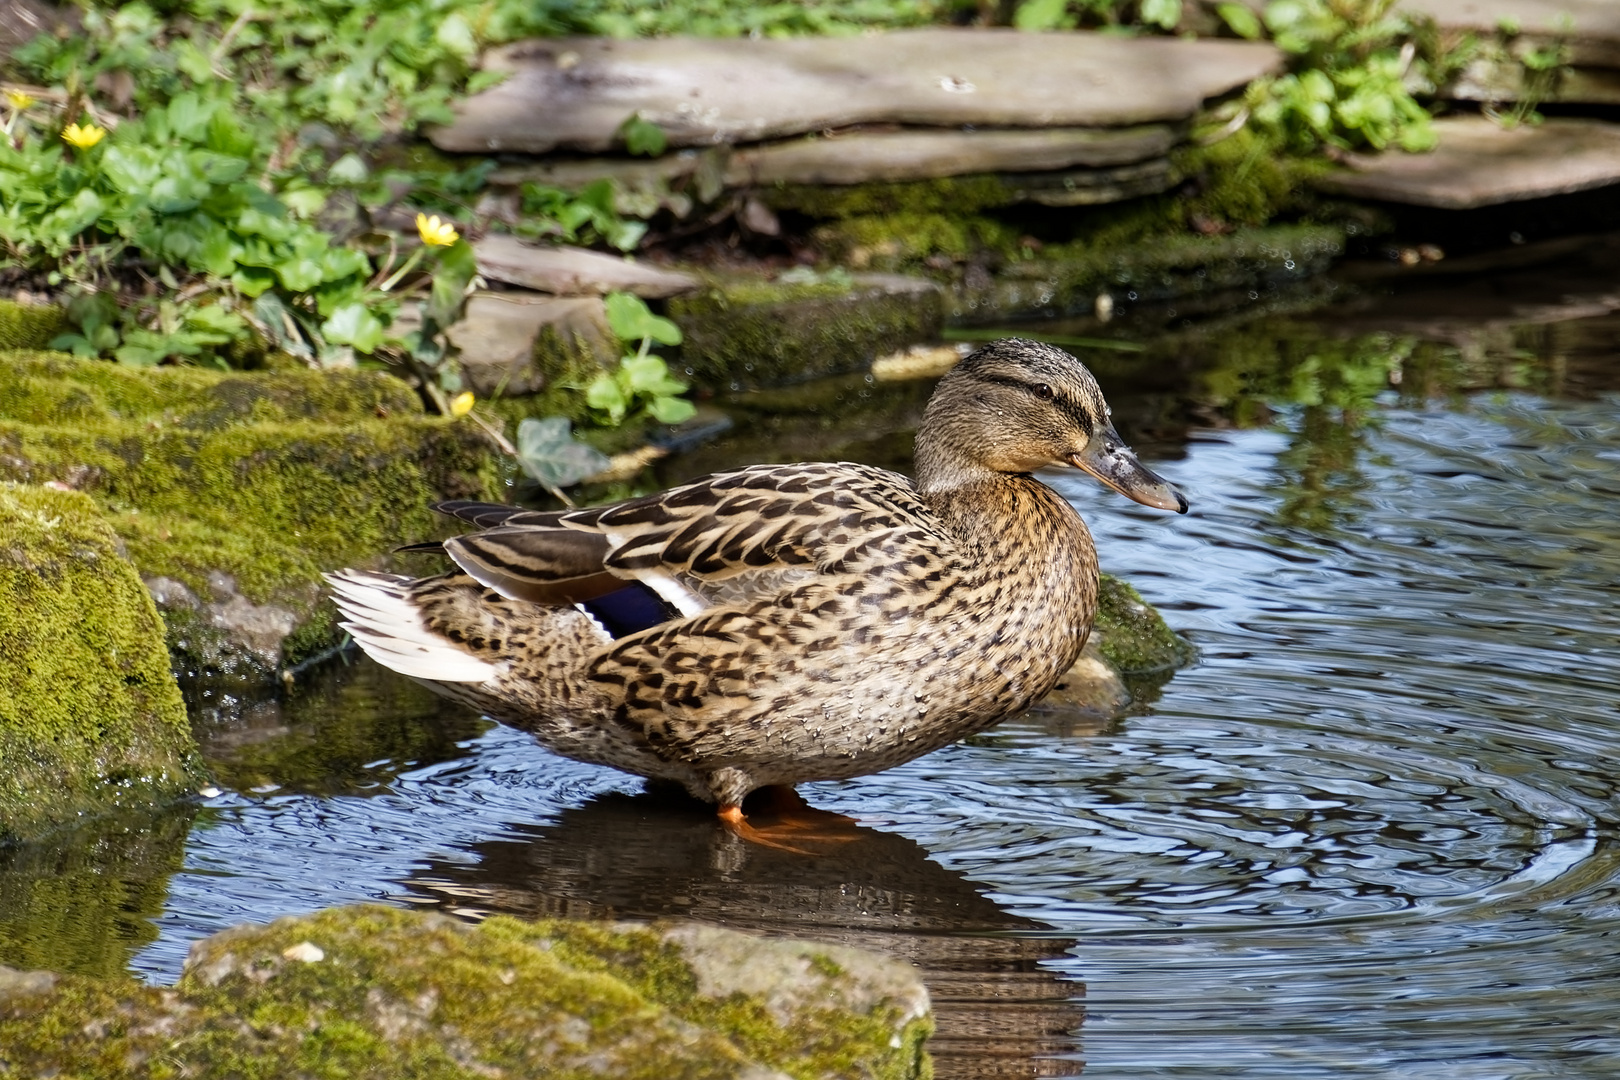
745,528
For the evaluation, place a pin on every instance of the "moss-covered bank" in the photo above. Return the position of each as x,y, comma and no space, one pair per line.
90,718
234,491
381,992
750,333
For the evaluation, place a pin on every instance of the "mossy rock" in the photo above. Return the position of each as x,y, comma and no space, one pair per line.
1131,635
1066,280
753,333
383,992
90,718
30,326
233,491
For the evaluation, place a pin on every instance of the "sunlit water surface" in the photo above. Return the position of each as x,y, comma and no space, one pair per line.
1372,832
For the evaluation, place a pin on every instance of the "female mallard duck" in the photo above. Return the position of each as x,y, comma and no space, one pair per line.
782,623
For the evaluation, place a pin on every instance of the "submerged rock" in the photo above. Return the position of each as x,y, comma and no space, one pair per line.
375,991
90,718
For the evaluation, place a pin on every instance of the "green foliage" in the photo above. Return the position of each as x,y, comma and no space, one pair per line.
641,386
589,215
728,18
642,136
1068,14
1350,66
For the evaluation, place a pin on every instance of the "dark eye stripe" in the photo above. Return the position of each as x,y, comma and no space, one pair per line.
1075,411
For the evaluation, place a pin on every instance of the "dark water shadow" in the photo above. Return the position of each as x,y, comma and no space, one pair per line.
1000,1010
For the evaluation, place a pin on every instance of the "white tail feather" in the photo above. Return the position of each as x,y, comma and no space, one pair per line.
385,623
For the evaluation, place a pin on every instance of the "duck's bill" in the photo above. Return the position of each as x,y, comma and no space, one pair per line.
1112,462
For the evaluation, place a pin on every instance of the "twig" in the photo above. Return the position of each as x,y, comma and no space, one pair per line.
1227,130
229,36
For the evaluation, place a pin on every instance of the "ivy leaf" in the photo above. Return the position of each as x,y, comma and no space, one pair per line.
1042,15
671,410
630,320
1162,13
606,394
1242,21
643,136
548,452
354,324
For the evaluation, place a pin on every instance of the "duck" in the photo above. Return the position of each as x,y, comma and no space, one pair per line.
773,625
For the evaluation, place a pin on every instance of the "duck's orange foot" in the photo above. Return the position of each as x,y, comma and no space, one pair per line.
784,821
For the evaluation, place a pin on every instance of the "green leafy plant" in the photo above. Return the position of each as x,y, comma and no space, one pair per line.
1068,14
641,386
1355,66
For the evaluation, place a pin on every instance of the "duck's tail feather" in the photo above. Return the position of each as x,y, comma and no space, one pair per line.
385,621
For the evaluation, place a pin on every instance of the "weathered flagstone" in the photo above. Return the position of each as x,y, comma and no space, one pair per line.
569,271
1488,80
862,157
1590,27
1480,163
518,342
576,92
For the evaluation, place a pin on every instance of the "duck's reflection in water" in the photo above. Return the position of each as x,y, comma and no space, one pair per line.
999,1011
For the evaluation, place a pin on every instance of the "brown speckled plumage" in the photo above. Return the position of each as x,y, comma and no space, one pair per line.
836,619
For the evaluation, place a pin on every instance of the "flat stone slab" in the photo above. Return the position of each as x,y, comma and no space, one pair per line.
570,271
498,335
862,157
1479,163
1591,27
576,92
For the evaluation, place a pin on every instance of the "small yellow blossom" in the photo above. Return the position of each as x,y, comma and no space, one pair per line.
463,403
436,233
83,138
20,100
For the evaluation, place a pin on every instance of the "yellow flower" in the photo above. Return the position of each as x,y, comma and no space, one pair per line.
436,233
20,100
83,138
463,403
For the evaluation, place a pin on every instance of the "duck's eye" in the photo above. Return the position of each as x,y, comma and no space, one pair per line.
1044,392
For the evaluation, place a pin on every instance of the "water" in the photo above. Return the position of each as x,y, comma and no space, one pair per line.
1372,832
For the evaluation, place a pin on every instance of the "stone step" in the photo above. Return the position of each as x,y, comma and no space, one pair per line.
1480,163
571,271
575,93
1590,27
863,157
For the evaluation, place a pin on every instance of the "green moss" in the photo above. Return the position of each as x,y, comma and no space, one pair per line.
373,991
754,333
29,326
268,478
907,238
1131,635
949,195
90,717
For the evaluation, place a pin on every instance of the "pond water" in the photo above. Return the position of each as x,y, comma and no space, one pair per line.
1371,832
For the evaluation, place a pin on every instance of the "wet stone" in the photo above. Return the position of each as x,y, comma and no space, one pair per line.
574,93
568,271
521,343
1480,163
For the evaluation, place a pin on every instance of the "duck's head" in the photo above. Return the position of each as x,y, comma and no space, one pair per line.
1016,406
